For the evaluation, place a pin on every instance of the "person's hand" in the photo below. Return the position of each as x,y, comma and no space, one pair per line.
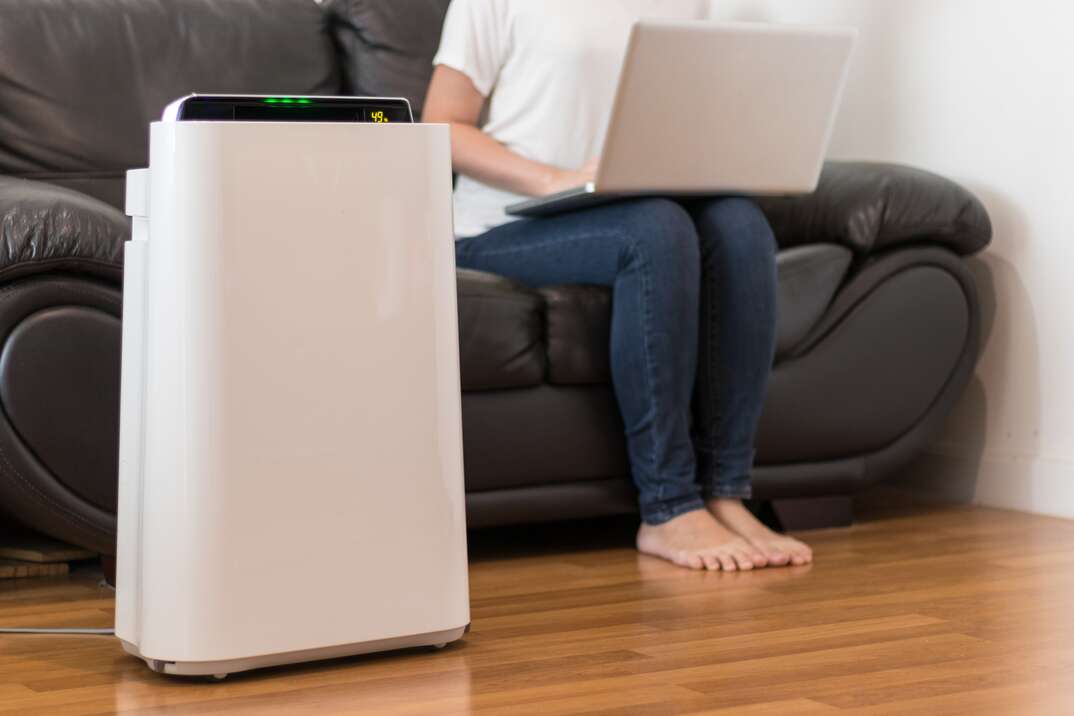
562,179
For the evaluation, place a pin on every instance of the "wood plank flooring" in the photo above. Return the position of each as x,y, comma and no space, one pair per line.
930,611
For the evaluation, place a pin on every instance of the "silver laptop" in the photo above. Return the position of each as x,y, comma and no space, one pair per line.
716,108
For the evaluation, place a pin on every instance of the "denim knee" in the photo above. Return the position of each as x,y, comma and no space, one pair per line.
740,228
663,233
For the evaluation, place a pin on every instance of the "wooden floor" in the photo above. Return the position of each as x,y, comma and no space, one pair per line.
935,611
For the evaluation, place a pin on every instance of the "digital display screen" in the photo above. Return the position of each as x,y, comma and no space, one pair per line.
295,109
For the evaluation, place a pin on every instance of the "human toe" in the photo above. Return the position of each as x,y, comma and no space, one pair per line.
776,556
712,562
691,560
802,555
742,560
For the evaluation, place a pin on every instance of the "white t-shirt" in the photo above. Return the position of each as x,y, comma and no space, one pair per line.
549,69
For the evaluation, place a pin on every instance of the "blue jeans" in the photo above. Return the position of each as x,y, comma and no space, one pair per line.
692,335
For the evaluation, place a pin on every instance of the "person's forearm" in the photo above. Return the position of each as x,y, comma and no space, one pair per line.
481,157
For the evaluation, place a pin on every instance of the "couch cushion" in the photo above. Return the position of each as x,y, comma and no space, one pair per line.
500,333
578,320
388,45
80,80
578,317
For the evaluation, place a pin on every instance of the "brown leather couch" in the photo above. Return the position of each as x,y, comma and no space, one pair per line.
879,318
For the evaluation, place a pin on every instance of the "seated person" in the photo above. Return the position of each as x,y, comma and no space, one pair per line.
693,282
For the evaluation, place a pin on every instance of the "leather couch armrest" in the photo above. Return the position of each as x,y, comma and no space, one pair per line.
869,207
46,228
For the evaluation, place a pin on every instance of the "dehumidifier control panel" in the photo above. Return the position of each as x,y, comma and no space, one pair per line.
288,108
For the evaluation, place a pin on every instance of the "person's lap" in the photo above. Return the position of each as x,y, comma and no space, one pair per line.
575,247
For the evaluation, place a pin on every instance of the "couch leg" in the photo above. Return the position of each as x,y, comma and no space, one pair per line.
108,566
810,513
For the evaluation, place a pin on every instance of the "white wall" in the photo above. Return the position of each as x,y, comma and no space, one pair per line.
983,92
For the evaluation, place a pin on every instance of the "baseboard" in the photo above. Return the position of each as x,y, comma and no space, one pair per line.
1039,485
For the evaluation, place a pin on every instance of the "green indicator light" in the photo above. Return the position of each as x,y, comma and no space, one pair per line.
286,100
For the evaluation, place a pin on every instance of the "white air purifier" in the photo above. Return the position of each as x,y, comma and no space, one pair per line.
291,482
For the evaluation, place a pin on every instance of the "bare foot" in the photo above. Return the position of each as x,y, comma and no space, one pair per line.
696,541
780,550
